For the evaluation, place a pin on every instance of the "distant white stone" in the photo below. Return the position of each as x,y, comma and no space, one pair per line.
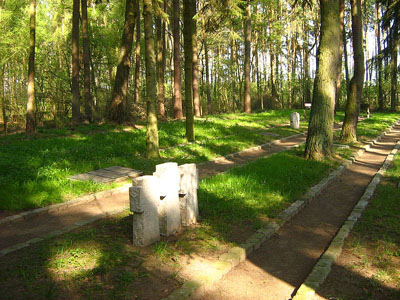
144,197
295,120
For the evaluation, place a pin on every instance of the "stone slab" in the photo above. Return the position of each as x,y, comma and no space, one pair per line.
110,174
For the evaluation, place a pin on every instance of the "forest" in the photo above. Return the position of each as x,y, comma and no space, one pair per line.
72,62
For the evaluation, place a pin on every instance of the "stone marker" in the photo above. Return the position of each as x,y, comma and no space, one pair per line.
189,183
295,120
144,197
169,209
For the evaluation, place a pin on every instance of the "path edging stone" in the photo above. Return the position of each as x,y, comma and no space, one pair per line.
197,288
324,265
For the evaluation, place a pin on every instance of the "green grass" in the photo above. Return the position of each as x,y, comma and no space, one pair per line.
252,194
100,262
372,127
97,262
34,169
373,269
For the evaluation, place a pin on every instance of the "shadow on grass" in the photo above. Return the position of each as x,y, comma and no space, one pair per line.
98,262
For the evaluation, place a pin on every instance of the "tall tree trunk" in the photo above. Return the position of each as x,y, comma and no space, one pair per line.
30,111
349,129
320,129
345,57
208,87
86,63
137,55
341,42
306,68
247,51
118,109
76,105
188,47
195,79
393,65
3,100
151,88
178,114
160,33
379,59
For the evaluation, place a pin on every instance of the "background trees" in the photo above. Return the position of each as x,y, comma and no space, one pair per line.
271,63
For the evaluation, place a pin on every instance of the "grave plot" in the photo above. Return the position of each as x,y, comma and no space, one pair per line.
107,175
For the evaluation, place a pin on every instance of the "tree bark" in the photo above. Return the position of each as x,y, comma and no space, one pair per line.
247,51
137,55
208,86
195,79
76,109
188,47
30,111
86,63
3,101
349,129
346,61
152,147
320,130
118,110
393,65
341,42
160,33
379,59
178,114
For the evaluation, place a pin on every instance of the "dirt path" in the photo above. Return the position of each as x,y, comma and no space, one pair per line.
275,270
15,234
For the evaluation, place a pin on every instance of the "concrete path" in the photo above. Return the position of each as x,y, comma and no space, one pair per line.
281,264
20,234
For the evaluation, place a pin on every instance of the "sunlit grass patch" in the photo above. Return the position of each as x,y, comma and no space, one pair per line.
34,169
258,191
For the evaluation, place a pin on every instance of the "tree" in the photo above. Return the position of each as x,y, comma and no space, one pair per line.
320,130
30,112
379,56
160,33
188,47
349,129
390,22
151,87
247,52
178,114
137,55
195,78
394,45
86,62
118,100
75,63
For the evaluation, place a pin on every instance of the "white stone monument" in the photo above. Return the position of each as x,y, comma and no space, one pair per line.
189,183
169,208
144,197
295,120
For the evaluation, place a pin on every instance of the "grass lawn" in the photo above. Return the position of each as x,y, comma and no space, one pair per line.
369,267
34,169
100,262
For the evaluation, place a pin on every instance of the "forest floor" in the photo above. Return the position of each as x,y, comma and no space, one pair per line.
99,262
